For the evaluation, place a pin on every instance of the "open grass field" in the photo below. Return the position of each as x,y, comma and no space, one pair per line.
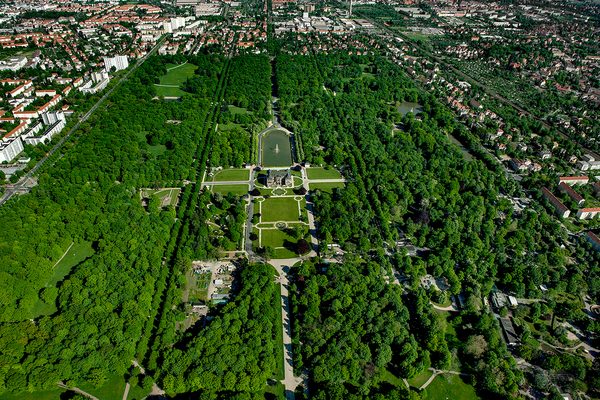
238,110
275,238
279,209
78,253
170,84
169,91
229,126
279,373
322,173
232,175
420,379
326,187
177,75
166,196
154,150
113,388
239,190
137,392
449,386
392,379
45,395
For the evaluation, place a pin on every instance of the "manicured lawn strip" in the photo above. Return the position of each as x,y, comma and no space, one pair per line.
449,386
420,379
230,175
322,173
279,209
275,238
239,190
279,373
284,253
326,187
178,75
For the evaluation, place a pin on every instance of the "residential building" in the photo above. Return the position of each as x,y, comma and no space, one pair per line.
593,240
119,62
560,209
572,194
517,165
582,165
573,180
544,155
52,130
10,147
587,213
510,335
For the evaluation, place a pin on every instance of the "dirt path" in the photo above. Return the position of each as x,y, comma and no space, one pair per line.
440,372
63,256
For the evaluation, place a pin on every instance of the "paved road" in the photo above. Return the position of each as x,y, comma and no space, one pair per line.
10,192
290,381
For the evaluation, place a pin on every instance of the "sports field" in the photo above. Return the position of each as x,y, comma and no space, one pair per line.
279,209
170,84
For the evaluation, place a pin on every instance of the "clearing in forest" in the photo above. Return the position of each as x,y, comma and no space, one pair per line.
170,84
168,196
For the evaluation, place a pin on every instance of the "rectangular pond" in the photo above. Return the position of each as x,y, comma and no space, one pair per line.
276,149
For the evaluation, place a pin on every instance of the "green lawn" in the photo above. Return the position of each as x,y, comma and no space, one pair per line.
229,126
279,373
449,386
392,379
275,237
239,190
420,379
230,175
284,253
326,187
76,254
168,91
45,395
178,75
279,209
322,173
238,110
162,194
137,392
113,388
154,150
174,79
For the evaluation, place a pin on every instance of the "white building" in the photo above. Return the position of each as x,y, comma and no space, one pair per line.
52,130
10,148
119,62
99,76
